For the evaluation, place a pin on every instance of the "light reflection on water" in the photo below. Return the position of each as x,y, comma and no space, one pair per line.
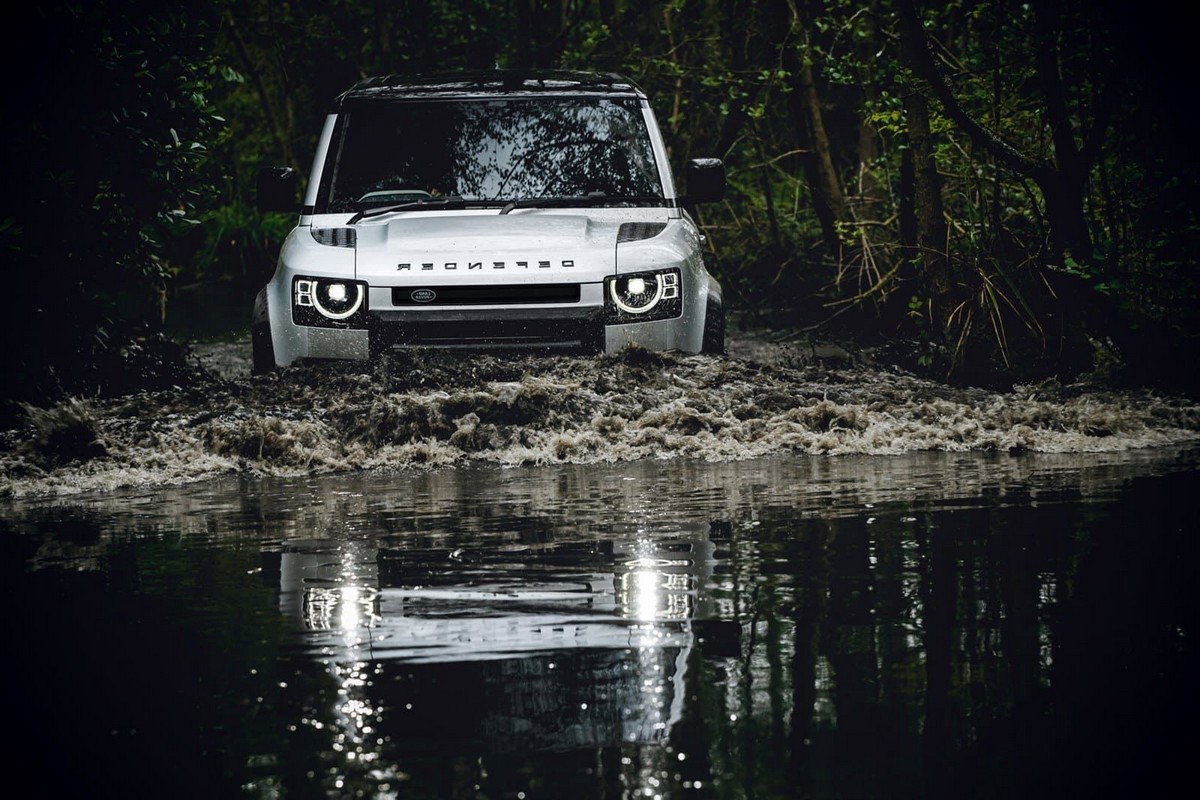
917,626
627,619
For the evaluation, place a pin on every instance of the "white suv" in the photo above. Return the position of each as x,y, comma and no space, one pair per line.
489,210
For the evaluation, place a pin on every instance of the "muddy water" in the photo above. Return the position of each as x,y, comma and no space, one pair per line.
974,624
422,410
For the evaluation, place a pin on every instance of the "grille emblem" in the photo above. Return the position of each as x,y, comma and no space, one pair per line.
423,295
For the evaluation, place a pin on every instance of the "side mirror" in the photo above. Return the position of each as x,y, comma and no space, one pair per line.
276,189
705,180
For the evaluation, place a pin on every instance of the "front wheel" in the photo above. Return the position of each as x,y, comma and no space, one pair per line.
714,329
262,349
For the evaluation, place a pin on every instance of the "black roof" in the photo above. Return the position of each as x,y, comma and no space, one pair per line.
490,84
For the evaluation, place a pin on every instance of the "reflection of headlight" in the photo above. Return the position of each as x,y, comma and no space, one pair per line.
344,608
320,301
643,296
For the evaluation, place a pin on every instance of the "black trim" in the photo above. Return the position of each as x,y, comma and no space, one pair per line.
593,200
575,329
713,342
639,231
521,294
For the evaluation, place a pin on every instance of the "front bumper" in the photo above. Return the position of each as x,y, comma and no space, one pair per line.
567,330
582,327
578,328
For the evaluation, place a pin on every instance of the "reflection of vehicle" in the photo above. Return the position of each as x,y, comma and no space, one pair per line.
548,217
574,644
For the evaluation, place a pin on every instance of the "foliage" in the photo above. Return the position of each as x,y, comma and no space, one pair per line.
181,106
103,158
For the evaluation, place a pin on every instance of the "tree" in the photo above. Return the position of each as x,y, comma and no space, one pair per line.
829,202
103,157
1061,174
924,237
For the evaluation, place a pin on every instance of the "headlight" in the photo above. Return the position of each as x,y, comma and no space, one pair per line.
327,302
643,296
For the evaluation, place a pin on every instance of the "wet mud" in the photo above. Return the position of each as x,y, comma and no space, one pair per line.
431,409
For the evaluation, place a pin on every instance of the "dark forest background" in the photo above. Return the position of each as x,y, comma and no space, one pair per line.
1003,191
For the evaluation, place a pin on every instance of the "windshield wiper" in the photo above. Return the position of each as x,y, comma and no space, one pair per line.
589,199
454,202
450,202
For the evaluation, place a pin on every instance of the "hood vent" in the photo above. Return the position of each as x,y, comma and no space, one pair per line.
636,231
335,237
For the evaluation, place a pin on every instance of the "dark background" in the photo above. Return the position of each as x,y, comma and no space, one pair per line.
1035,220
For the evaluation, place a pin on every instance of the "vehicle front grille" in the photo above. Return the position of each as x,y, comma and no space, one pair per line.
521,294
576,329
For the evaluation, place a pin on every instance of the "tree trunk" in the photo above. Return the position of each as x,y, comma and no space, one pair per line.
908,215
281,139
829,203
928,212
735,33
869,189
1067,182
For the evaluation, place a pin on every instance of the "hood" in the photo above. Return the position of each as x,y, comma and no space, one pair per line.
488,248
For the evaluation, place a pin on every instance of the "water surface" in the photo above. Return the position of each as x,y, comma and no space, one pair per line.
929,624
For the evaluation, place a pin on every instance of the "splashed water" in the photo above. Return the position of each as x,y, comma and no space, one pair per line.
435,409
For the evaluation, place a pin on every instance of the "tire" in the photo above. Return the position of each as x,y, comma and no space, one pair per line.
262,349
714,329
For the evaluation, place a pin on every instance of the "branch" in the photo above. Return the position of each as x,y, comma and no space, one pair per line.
915,43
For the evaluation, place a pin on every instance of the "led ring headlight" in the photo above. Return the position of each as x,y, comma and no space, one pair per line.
635,287
329,297
335,300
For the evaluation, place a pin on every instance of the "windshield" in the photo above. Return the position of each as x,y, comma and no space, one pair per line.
488,150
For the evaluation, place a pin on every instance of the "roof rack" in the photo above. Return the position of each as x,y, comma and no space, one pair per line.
489,83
